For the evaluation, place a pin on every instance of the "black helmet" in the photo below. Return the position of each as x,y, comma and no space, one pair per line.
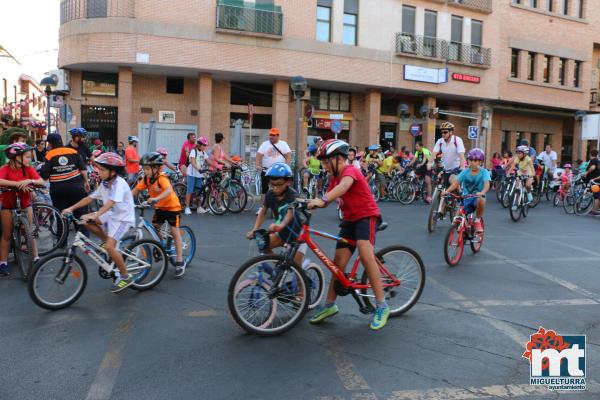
152,159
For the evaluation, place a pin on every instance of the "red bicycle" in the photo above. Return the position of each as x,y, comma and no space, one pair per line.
269,294
461,231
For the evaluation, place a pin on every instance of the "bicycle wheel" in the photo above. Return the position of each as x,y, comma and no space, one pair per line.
218,201
56,283
500,191
146,260
477,240
454,245
316,284
188,245
404,265
584,204
569,204
510,190
237,197
263,307
537,196
433,212
375,192
23,244
180,190
556,199
50,229
515,206
250,202
406,193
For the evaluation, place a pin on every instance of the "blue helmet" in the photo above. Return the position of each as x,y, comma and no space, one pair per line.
78,132
373,147
312,149
279,170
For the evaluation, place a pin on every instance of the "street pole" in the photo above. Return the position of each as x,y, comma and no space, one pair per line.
48,93
298,121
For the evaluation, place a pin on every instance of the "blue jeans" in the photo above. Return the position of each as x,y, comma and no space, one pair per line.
194,184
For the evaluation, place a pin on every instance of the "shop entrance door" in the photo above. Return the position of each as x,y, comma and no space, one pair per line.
388,133
100,122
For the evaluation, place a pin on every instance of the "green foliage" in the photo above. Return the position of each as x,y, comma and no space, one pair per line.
5,136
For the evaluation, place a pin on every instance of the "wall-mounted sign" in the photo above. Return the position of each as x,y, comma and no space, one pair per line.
326,123
142,58
388,135
423,74
466,78
415,130
166,117
336,116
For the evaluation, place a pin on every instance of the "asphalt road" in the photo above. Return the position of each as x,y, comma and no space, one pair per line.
464,340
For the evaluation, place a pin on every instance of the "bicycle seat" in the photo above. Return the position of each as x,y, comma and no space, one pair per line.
382,227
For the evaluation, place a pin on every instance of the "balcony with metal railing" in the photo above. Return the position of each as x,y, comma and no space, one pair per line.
411,45
71,10
475,5
238,16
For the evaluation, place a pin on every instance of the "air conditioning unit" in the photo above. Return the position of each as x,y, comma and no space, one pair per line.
61,77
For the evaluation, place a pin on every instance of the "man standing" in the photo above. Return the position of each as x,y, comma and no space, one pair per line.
132,159
549,158
39,153
184,156
593,174
67,174
453,152
270,152
78,136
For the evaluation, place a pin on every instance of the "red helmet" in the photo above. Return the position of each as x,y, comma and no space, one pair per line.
110,160
331,148
162,151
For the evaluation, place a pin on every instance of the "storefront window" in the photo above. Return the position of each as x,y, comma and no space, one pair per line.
99,84
330,101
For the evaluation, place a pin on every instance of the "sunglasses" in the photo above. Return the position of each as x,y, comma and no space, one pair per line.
444,132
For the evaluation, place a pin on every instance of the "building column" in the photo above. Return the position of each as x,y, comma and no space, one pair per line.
205,84
512,141
337,21
281,106
539,142
372,116
554,69
523,71
570,73
556,143
527,135
430,123
539,67
125,105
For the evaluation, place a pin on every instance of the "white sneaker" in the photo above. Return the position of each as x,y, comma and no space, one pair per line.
201,210
188,211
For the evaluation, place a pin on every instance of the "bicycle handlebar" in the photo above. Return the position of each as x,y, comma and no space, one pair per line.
462,197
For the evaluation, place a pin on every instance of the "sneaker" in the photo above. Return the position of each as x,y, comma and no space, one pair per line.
323,314
478,227
380,318
180,268
188,211
529,197
4,270
201,210
122,284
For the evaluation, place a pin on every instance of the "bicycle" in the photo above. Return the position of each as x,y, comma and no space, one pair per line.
59,279
540,188
212,192
519,204
251,181
164,237
260,313
236,194
508,189
21,240
462,230
585,200
440,206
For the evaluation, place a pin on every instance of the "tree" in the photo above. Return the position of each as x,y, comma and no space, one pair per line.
5,136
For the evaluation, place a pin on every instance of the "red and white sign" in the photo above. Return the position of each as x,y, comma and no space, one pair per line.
466,78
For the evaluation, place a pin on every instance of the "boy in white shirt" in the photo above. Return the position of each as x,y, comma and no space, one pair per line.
115,217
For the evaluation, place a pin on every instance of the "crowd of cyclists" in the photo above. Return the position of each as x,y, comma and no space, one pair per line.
100,187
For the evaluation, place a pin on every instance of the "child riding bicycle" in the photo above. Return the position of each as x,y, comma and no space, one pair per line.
361,217
523,165
19,175
473,180
117,214
165,201
278,200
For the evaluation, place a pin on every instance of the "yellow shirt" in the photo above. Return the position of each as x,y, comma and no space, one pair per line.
389,164
525,166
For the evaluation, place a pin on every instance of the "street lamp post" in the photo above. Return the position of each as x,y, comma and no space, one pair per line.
298,85
49,84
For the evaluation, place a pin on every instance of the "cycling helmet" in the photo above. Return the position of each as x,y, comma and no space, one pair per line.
110,160
523,149
317,140
132,138
567,166
312,149
373,147
78,132
236,158
331,148
449,126
152,159
162,151
96,153
279,170
476,155
203,140
16,149
97,142
524,142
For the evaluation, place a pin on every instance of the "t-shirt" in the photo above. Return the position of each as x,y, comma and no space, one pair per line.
201,157
358,202
596,172
388,165
130,166
549,159
280,206
496,163
39,156
162,183
83,151
450,152
314,165
373,159
271,155
472,184
63,166
119,192
421,155
186,148
9,199
525,167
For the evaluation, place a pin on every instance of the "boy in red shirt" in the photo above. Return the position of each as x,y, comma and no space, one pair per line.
132,159
361,218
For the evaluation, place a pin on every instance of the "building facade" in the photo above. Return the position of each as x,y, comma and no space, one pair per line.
392,71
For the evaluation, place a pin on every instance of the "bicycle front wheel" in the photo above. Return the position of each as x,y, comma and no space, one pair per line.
237,197
433,212
188,245
268,297
146,260
403,277
23,246
57,282
50,229
584,204
569,204
515,206
454,245
218,201
406,193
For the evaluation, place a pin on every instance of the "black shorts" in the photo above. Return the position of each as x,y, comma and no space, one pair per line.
363,229
290,233
423,171
264,182
160,216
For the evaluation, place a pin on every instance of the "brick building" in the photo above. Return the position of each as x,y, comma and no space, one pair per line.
514,68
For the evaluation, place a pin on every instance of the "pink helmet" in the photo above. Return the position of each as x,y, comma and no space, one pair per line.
96,152
567,165
162,151
110,160
16,149
203,140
